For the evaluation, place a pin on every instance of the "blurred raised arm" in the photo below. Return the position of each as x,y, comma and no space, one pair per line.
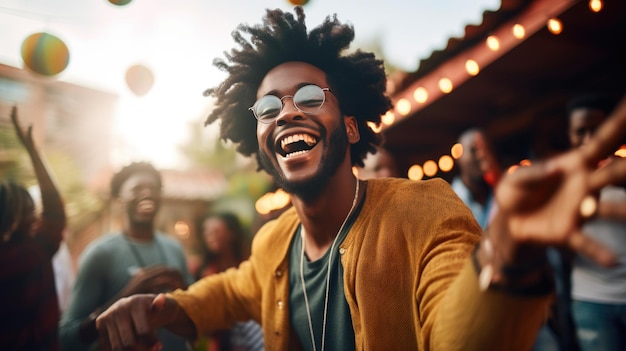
53,220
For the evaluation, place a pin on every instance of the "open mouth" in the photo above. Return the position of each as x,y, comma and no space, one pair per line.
146,206
296,144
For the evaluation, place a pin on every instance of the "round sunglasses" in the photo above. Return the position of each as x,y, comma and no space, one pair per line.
307,99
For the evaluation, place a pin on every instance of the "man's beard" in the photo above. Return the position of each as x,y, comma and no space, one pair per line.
312,188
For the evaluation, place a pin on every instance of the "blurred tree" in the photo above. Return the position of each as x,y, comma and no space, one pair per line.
205,150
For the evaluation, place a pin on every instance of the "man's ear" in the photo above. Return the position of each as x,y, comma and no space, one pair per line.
352,129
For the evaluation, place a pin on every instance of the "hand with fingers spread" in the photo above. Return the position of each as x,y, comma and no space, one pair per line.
540,205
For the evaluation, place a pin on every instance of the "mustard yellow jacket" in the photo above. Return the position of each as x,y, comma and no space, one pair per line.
408,279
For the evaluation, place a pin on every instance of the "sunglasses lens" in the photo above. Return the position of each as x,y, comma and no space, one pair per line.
309,98
267,107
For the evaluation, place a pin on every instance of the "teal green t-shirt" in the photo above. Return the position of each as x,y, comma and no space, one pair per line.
339,332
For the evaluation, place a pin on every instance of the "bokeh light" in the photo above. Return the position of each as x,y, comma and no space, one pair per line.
493,43
45,54
456,151
430,168
403,106
596,5
120,2
445,85
298,2
139,79
446,163
181,228
420,95
388,118
472,67
416,172
555,26
518,31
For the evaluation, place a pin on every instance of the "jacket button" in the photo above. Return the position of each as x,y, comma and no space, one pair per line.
279,273
342,251
280,304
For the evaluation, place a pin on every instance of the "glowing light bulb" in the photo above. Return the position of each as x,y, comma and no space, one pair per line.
555,26
416,172
403,107
388,118
518,31
445,85
456,151
471,67
446,163
420,95
596,5
430,168
493,43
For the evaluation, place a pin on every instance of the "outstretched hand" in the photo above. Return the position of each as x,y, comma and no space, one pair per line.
25,135
131,322
541,204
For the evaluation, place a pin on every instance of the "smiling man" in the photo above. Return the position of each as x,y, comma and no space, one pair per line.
383,264
138,260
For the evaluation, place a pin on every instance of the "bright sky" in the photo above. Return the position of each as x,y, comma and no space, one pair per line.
178,41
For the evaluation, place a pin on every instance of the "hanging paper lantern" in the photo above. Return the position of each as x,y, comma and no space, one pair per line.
139,79
119,2
45,54
299,2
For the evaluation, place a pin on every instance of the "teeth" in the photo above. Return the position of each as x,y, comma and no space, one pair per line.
293,154
146,206
297,137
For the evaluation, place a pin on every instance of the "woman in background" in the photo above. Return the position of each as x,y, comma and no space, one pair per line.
29,310
224,245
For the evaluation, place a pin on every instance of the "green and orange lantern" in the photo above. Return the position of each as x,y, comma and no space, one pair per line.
45,54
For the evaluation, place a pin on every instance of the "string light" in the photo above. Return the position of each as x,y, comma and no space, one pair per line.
403,106
445,85
416,172
596,5
445,163
471,67
388,118
518,31
456,151
555,26
430,168
420,95
493,43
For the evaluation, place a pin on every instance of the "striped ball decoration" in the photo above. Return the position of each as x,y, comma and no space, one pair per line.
139,79
45,54
119,2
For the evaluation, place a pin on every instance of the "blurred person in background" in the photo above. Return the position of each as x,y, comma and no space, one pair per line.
599,293
139,259
378,165
224,245
479,171
29,312
382,264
